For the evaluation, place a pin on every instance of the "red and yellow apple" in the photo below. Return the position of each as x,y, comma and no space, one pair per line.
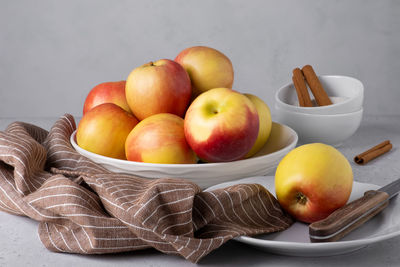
103,130
208,68
159,138
312,181
107,92
265,122
221,125
158,87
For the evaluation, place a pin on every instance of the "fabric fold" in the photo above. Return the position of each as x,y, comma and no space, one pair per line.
84,208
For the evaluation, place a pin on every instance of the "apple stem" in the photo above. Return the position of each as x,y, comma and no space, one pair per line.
301,199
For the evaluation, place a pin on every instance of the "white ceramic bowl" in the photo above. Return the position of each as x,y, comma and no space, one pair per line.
314,128
281,141
346,93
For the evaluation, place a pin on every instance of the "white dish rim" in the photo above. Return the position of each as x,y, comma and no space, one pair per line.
351,244
127,163
320,115
277,99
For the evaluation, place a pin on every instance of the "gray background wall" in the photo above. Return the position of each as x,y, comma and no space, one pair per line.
53,52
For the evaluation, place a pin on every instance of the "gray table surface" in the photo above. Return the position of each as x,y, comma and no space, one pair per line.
20,244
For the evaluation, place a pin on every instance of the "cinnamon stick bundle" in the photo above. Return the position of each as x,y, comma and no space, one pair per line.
318,91
307,74
301,88
373,152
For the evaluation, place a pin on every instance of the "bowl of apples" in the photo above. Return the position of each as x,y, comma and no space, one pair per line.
181,118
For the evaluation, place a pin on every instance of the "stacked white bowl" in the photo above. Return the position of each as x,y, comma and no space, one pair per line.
331,124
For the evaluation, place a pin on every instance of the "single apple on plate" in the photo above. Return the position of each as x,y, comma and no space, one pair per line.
103,130
208,68
221,125
107,92
312,181
159,138
265,122
162,86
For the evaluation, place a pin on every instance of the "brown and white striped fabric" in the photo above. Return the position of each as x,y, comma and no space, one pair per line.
84,208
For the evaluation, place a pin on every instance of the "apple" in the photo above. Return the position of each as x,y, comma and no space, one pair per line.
265,122
221,125
312,181
162,86
103,130
107,92
208,68
159,138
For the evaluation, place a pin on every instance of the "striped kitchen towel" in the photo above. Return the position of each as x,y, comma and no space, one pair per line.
84,208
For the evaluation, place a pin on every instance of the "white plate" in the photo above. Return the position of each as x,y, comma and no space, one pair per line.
295,242
281,141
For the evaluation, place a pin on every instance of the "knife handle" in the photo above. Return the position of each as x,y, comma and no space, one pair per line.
349,217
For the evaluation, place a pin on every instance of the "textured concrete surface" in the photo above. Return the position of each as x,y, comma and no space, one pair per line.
20,245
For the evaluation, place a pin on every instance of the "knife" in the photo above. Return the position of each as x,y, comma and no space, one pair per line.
352,215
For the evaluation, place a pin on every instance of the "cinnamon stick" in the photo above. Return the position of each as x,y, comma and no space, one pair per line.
301,88
373,152
318,91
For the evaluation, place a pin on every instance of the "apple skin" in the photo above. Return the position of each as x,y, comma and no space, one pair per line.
312,181
265,122
103,130
208,68
107,92
162,86
221,125
159,139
